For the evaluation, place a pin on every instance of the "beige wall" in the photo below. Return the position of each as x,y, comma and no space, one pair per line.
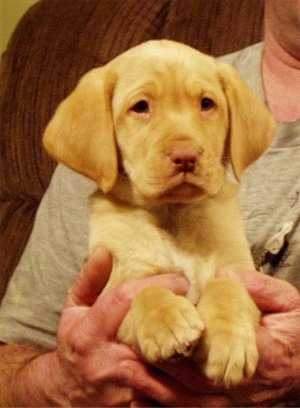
10,13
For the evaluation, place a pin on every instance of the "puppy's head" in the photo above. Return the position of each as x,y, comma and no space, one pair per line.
164,118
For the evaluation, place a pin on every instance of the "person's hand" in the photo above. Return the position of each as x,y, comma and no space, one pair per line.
97,370
277,377
92,368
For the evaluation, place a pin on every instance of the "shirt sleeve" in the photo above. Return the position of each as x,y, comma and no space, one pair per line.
56,250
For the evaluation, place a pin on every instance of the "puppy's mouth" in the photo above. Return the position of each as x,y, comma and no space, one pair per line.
182,192
182,188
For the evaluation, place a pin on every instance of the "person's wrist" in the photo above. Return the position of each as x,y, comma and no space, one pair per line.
46,381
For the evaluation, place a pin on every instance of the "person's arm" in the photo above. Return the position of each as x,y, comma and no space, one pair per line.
89,367
25,376
13,358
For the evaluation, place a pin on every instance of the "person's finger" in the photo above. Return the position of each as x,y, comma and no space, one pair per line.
91,279
110,308
270,294
167,390
187,372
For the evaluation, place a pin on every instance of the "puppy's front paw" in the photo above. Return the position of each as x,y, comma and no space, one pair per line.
161,325
227,350
228,353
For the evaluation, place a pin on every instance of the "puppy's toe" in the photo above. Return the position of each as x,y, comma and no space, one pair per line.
161,325
230,356
174,333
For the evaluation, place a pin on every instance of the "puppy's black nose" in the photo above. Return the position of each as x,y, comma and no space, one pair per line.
184,158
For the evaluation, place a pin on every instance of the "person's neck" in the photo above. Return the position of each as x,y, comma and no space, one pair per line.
281,79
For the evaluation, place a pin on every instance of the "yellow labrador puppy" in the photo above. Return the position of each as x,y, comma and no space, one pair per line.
156,128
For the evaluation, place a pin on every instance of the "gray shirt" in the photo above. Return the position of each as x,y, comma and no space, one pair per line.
58,245
270,187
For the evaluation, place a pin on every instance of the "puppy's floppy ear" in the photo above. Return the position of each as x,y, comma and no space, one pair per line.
81,132
251,124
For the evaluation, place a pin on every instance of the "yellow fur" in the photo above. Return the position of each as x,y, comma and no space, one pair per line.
121,127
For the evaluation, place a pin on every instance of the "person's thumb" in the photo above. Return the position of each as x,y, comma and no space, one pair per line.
91,279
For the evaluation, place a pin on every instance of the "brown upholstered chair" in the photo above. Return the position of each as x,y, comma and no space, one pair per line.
54,44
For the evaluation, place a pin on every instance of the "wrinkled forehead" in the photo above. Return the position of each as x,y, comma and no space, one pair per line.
163,67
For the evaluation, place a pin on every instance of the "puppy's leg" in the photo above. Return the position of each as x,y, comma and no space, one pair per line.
161,325
227,349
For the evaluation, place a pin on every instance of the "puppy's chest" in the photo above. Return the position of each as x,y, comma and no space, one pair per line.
189,248
149,242
187,226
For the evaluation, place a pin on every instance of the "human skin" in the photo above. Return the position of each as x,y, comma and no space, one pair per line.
27,372
281,59
277,377
89,367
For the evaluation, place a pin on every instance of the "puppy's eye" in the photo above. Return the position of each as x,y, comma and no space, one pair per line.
207,104
141,107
